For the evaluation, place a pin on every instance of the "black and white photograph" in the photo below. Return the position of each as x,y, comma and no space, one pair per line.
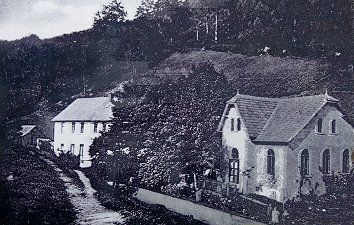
176,112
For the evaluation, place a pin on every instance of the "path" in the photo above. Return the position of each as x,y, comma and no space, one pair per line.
88,208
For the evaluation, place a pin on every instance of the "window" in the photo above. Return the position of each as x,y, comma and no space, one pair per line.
95,127
234,153
333,127
232,124
104,127
62,127
234,170
238,124
304,163
345,161
81,153
72,148
82,127
73,127
326,163
271,162
62,147
319,126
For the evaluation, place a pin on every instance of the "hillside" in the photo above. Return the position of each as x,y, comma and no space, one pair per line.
249,73
262,75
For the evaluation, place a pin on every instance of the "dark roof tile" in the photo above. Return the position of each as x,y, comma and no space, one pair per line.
278,119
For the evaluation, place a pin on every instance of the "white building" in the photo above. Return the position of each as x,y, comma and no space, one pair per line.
284,147
79,124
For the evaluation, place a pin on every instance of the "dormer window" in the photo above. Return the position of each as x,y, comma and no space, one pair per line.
319,126
232,124
333,127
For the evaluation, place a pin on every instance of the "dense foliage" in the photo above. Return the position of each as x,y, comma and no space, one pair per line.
172,132
30,193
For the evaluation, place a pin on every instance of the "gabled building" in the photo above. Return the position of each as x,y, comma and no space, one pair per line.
79,124
281,147
31,136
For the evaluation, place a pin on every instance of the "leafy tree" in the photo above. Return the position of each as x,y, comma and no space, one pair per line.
173,132
146,9
112,13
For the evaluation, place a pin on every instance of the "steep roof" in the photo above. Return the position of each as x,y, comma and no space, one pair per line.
278,119
26,129
87,109
255,111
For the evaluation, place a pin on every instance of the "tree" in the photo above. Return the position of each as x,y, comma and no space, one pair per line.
146,9
112,13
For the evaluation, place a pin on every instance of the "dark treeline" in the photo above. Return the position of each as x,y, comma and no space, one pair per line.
38,73
303,28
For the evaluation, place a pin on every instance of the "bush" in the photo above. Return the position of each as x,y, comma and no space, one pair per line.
69,161
34,194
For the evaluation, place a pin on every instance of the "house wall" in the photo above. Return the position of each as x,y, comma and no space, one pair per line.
316,143
287,180
67,137
260,181
235,139
29,140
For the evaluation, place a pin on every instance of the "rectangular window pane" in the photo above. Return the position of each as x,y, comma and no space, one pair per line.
62,127
72,148
82,127
81,150
95,127
319,126
73,127
104,127
234,171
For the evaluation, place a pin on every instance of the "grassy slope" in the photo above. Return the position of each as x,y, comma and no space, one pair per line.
264,75
297,75
36,195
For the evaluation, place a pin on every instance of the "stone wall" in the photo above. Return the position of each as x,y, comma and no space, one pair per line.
199,212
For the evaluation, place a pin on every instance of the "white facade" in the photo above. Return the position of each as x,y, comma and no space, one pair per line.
79,124
69,138
278,170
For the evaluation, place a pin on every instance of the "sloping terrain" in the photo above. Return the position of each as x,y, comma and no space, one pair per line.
253,74
265,75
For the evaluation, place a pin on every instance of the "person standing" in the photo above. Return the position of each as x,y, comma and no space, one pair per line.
275,216
269,212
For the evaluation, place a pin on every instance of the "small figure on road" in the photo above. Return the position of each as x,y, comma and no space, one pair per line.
275,216
269,212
